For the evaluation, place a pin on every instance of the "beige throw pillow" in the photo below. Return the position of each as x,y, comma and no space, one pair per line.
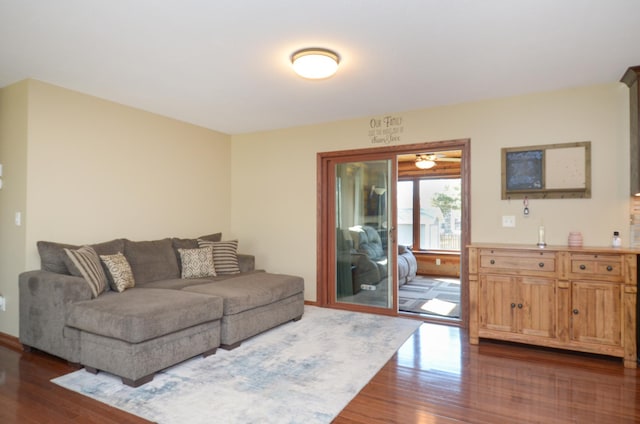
120,271
197,263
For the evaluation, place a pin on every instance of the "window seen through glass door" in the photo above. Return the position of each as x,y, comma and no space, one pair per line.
435,206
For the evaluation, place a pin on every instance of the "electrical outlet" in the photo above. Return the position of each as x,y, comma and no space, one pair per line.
508,221
3,304
437,261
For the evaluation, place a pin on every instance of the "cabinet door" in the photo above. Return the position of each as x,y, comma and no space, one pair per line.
497,302
536,308
595,308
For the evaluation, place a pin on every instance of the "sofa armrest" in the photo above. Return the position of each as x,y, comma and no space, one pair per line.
246,262
45,298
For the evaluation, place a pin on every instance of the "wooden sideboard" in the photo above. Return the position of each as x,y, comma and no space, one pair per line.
581,299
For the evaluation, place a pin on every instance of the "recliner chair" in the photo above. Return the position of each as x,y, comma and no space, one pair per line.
369,257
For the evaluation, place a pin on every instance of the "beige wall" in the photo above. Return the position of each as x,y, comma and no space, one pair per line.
274,173
84,169
13,157
97,170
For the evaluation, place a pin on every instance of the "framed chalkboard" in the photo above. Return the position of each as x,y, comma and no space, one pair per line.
553,171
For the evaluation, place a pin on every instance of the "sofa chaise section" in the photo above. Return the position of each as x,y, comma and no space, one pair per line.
147,330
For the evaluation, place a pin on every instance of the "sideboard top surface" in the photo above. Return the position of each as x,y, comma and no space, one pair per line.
557,248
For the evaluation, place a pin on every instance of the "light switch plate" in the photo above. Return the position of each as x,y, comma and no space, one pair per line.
508,221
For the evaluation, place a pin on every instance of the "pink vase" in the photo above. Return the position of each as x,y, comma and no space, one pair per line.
575,239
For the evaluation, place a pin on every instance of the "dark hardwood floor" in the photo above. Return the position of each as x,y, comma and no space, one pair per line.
438,377
435,378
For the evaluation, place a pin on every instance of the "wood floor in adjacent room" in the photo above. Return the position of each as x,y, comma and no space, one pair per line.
435,378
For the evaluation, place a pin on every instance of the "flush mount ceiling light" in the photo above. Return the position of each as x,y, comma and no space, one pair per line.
315,63
425,162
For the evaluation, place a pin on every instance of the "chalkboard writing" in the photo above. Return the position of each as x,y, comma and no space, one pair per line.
524,170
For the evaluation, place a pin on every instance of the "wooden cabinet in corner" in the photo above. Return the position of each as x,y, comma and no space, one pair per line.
581,299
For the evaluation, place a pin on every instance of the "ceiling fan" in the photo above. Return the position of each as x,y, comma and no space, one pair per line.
428,160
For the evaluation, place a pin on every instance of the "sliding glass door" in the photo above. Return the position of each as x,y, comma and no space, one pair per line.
358,217
363,221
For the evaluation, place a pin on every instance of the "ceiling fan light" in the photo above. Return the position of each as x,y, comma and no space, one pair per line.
423,163
315,63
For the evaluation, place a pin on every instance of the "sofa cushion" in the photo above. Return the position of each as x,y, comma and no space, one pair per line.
225,255
211,237
197,263
54,259
119,272
143,314
180,283
52,256
86,264
151,260
251,290
177,283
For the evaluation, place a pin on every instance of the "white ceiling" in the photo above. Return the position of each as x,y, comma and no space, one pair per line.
224,64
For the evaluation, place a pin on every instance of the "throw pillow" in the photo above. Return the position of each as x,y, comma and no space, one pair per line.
87,264
120,272
197,263
225,255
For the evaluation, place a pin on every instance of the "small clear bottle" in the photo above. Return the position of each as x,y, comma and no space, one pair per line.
617,241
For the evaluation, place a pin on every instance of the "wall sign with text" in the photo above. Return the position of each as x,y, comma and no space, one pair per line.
385,130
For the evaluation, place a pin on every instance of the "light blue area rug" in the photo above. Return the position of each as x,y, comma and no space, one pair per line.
301,372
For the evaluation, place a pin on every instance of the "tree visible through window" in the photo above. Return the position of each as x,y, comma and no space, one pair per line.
436,205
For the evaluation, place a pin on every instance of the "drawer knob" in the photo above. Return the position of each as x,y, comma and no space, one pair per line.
513,305
583,267
541,264
492,262
609,268
519,305
575,312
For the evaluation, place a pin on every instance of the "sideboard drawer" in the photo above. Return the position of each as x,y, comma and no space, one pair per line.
517,260
597,266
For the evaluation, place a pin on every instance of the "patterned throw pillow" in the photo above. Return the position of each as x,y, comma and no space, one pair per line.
197,263
87,262
120,270
225,255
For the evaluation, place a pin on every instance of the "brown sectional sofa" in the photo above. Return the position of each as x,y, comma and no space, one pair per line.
163,320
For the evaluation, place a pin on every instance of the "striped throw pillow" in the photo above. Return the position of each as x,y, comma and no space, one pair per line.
88,264
225,255
120,271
